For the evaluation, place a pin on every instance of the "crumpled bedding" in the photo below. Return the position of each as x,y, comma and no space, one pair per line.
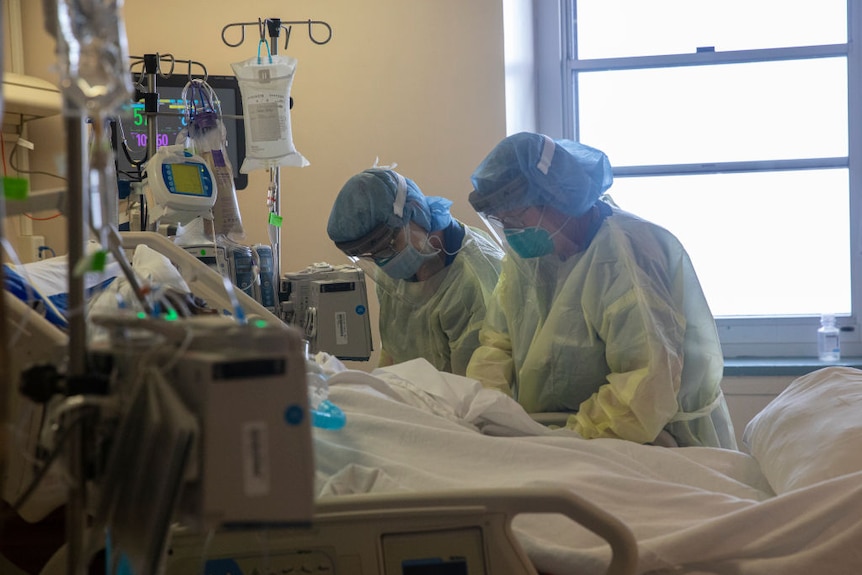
692,510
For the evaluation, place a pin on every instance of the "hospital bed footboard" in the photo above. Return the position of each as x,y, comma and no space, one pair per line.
452,532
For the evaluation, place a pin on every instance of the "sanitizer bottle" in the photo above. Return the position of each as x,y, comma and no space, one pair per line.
828,339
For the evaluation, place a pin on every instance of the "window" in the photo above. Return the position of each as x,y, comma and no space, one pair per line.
736,125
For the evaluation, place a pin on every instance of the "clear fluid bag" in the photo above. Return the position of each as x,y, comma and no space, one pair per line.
265,85
92,53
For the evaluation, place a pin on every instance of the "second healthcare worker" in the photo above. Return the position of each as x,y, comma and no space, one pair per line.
433,273
597,313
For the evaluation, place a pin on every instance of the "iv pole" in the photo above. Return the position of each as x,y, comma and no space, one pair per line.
274,26
78,216
6,379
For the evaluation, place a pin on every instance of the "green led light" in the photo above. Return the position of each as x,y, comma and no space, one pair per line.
260,323
142,315
171,315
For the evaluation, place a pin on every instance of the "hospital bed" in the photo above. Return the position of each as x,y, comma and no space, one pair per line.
457,531
417,440
466,530
434,474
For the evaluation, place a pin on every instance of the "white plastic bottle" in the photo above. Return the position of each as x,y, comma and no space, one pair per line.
828,339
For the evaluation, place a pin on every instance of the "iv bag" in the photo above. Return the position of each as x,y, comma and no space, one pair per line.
91,53
265,89
206,134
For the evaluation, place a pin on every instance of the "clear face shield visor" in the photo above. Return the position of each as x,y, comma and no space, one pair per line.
502,208
379,246
373,250
397,252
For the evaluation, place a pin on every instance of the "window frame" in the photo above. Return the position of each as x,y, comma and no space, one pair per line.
556,62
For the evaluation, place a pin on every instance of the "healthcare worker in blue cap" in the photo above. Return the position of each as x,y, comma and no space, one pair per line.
597,313
433,273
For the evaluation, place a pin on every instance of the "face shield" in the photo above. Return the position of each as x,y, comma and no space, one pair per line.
399,253
379,244
503,208
504,198
374,250
509,197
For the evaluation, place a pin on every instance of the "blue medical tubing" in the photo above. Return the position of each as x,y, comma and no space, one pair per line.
268,53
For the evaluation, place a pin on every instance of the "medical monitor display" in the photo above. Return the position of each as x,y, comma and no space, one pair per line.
171,120
187,178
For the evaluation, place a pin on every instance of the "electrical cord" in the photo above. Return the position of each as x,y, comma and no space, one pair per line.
12,155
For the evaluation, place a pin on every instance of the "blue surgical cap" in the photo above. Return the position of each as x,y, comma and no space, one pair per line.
529,169
367,200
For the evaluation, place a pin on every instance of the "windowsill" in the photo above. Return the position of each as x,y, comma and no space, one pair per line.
793,366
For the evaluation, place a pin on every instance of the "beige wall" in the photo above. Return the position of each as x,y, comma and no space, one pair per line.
418,83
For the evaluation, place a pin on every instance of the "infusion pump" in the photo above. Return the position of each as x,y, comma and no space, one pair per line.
329,305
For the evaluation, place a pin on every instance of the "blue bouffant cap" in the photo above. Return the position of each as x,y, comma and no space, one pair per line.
368,200
528,169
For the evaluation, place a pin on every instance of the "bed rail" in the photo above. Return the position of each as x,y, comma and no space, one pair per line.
460,531
509,501
202,280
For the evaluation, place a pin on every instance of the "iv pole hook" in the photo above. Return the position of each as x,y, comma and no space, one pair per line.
241,37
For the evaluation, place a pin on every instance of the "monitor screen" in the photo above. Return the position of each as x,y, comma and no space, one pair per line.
187,178
171,120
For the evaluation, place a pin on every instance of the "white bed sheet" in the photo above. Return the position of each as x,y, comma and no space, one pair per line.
692,510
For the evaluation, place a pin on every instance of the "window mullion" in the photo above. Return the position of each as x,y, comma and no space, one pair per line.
854,143
709,58
730,167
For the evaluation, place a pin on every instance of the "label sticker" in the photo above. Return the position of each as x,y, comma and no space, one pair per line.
275,220
340,328
255,458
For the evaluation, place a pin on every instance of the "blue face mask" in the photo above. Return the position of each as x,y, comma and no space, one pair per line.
406,263
532,242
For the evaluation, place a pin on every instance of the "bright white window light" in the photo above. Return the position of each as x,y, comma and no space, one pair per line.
618,28
763,244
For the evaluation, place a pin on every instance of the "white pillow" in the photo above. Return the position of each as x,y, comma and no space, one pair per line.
811,432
